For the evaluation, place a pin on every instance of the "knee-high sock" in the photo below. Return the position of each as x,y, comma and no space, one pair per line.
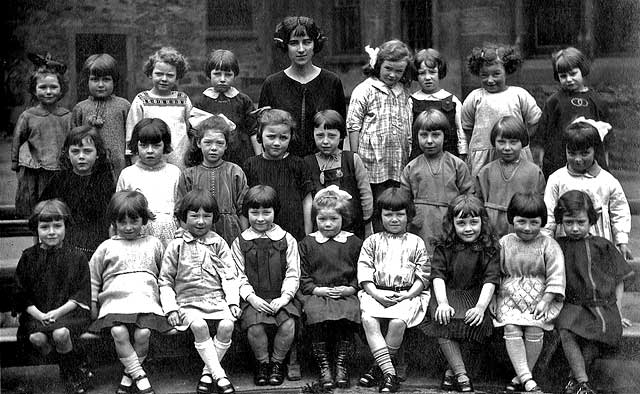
573,354
208,354
533,342
383,359
451,351
517,352
132,365
221,347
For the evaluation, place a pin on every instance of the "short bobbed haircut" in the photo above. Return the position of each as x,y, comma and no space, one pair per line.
101,65
393,51
329,199
573,203
170,56
431,120
582,136
49,211
527,205
509,127
193,201
567,59
490,54
261,196
223,60
432,59
467,206
150,131
330,119
298,26
395,199
271,117
128,204
76,136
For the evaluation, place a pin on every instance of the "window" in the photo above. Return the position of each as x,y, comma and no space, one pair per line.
229,14
616,27
554,23
346,27
416,23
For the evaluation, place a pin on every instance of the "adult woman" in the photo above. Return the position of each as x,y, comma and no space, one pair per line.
302,89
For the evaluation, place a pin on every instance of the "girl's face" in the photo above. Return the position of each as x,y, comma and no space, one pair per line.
48,89
392,71
163,76
327,140
100,87
150,154
275,141
51,234
467,229
300,50
527,228
213,145
428,78
394,222
329,222
83,156
199,222
261,219
508,149
222,80
493,78
576,226
572,81
580,161
129,228
431,142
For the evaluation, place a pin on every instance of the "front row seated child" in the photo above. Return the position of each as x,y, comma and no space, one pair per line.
591,321
532,287
268,265
393,272
198,287
328,284
465,271
53,292
125,298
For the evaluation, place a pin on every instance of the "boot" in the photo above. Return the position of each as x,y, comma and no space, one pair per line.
320,353
342,355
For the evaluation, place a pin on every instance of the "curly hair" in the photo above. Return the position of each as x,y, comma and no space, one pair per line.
170,56
215,123
489,54
299,26
329,199
432,59
464,206
76,137
393,51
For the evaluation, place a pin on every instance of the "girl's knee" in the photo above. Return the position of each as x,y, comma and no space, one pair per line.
397,325
512,331
225,330
200,329
38,339
141,335
255,331
120,333
288,327
369,323
533,334
61,335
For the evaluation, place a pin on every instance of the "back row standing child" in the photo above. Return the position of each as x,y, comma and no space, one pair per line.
484,106
165,67
103,110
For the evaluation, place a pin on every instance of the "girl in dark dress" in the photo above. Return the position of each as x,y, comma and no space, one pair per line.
328,284
53,292
591,320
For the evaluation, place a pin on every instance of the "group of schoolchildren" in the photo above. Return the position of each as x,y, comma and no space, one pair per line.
439,219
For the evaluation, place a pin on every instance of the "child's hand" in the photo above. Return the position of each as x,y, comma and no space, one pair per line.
321,291
542,310
474,316
345,291
401,296
235,311
626,253
260,304
384,297
52,316
174,318
278,303
444,313
625,322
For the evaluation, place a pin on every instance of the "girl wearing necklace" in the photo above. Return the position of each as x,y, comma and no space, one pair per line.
224,180
499,180
433,178
333,166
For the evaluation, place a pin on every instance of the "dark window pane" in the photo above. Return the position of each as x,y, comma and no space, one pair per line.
416,23
229,14
346,27
556,22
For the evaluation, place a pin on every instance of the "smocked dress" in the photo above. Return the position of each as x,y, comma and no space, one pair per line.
329,262
594,267
393,262
528,270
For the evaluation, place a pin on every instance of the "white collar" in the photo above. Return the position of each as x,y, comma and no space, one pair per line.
439,95
212,93
275,233
340,237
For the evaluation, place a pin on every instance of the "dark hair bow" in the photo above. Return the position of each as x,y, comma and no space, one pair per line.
48,62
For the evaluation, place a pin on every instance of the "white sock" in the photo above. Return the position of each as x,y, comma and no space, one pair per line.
208,354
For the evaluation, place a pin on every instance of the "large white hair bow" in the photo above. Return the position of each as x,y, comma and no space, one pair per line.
333,190
602,127
373,55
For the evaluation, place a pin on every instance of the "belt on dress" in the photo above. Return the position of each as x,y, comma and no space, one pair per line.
394,288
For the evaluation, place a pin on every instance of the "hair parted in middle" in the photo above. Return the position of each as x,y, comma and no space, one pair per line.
330,198
299,26
491,53
432,59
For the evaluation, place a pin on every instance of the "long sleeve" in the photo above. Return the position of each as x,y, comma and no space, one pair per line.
306,281
167,278
20,135
245,288
619,213
240,188
291,280
76,116
358,107
362,178
135,115
96,266
81,283
23,295
463,144
550,200
464,179
555,270
185,184
224,264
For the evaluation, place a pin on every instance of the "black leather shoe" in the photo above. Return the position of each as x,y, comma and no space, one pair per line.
448,382
277,374
261,377
225,388
464,387
390,384
371,377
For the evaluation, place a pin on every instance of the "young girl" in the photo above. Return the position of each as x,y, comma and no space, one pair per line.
393,272
198,287
464,274
268,265
224,98
103,110
499,180
225,181
164,68
531,287
39,134
328,283
431,67
379,118
286,173
584,173
591,320
574,99
151,175
484,106
86,185
125,298
53,292
433,178
333,166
